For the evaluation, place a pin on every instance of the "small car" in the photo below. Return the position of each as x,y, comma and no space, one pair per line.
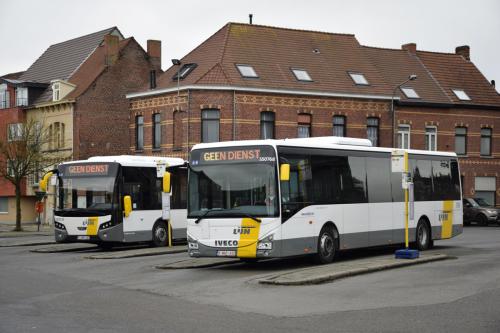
480,211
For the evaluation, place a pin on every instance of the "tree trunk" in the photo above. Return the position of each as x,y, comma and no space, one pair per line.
18,207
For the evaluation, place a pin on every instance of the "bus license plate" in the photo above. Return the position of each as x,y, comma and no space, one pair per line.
83,237
224,253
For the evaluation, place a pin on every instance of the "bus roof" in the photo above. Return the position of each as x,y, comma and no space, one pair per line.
133,160
328,142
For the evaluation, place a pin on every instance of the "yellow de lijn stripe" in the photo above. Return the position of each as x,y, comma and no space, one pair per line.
447,222
247,245
92,226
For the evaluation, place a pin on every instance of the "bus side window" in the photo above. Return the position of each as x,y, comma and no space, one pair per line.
179,189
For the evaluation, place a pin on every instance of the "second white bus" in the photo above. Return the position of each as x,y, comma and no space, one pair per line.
340,194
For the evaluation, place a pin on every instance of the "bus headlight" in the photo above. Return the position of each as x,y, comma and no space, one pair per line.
266,243
59,226
192,244
105,225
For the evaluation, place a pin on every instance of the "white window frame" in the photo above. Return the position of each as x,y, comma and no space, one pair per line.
301,74
21,96
431,136
410,92
461,94
15,132
247,71
5,97
56,91
404,136
359,79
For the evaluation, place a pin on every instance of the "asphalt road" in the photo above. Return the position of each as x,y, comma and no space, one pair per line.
63,292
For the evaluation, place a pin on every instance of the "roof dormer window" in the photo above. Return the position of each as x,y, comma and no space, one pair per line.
247,71
301,75
56,92
461,94
410,92
359,79
184,71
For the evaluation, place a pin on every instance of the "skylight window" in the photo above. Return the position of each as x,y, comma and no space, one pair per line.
461,95
410,92
247,71
359,78
184,71
301,74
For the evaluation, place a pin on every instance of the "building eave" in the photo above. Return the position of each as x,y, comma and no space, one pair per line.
48,104
156,92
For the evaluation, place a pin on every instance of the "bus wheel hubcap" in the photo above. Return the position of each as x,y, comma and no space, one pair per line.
161,234
422,235
326,245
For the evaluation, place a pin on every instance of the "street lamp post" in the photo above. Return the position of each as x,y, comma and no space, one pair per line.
412,77
177,62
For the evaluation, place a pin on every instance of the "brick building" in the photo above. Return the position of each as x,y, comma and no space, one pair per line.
83,103
250,81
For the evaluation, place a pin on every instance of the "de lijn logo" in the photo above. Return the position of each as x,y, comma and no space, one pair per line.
242,230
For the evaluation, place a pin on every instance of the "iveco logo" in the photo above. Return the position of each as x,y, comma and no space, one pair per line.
242,230
226,243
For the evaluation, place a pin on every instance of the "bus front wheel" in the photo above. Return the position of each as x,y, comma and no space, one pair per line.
423,235
160,234
328,245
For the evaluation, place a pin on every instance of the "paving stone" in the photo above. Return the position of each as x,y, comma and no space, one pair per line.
144,252
198,263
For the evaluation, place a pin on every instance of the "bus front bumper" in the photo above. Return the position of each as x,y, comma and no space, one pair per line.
200,250
111,234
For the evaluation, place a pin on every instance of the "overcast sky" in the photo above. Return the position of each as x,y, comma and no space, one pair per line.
28,27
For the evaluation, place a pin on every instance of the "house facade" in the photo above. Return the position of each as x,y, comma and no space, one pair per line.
83,105
250,82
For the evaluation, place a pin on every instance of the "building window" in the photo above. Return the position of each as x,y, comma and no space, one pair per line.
247,71
152,79
21,96
410,92
485,188
4,204
431,138
461,94
359,79
184,71
267,125
156,131
11,168
404,136
372,129
486,141
139,132
56,92
304,126
339,126
210,120
301,75
15,132
461,140
4,97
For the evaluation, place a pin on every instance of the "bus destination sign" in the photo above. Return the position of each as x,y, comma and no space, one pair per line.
87,170
233,155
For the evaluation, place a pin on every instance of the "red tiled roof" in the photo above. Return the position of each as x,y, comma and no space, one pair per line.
453,71
272,52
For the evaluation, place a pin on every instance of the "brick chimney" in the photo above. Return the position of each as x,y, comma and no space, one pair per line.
464,51
154,53
410,47
111,44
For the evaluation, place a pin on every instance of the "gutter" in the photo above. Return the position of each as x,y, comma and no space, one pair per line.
449,105
259,90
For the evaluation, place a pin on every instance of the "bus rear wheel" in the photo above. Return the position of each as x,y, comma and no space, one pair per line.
160,234
328,246
423,236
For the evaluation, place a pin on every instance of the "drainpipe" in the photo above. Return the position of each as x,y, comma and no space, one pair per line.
234,115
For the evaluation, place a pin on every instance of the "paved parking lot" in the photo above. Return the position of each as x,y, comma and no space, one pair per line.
64,291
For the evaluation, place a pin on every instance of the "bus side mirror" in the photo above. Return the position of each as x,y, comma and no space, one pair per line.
45,180
127,205
166,182
285,172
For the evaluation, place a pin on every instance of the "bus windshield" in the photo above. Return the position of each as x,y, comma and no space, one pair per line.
90,186
233,183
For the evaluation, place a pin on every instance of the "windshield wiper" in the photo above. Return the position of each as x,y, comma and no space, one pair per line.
206,213
256,219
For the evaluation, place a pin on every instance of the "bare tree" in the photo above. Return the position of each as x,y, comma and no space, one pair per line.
23,154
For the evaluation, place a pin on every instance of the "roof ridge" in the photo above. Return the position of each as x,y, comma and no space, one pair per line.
290,29
442,53
93,33
382,48
218,64
226,38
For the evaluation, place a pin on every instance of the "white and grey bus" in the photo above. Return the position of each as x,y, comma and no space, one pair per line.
279,198
121,199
